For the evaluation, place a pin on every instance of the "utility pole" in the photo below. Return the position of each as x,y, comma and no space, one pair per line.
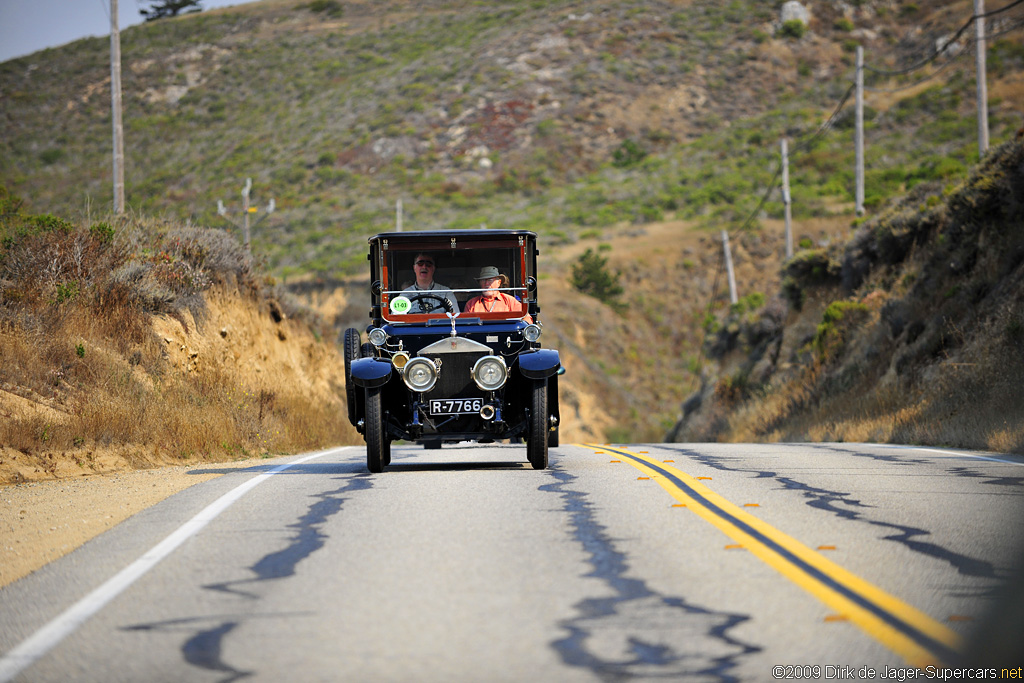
859,134
733,299
246,210
245,213
786,199
115,102
979,32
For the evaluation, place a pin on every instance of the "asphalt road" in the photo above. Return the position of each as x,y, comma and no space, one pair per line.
696,561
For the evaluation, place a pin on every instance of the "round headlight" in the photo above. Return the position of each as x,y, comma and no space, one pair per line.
531,333
420,374
399,360
378,336
490,373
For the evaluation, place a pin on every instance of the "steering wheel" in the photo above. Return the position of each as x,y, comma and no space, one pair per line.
443,300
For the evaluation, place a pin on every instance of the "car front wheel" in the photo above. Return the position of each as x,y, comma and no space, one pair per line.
378,445
537,439
351,353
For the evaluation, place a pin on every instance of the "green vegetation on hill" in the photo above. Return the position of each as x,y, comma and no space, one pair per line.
510,114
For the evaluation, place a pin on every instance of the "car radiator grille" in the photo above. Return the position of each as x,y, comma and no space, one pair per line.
455,378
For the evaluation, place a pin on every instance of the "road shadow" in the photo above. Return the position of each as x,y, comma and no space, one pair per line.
453,466
303,468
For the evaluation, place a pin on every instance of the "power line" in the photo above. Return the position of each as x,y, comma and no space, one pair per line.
927,78
935,55
971,41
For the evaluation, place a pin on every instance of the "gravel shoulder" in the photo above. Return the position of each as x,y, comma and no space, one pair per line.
41,521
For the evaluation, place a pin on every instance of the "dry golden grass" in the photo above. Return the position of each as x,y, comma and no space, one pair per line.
75,408
113,360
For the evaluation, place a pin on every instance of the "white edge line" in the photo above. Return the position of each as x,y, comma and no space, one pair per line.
954,454
46,638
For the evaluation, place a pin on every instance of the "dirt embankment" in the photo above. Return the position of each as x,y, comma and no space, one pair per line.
55,500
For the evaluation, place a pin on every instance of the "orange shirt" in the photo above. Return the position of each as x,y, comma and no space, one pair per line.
502,303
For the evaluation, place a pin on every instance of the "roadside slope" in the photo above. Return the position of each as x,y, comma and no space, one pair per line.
912,331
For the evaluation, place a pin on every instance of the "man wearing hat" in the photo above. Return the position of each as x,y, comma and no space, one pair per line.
491,300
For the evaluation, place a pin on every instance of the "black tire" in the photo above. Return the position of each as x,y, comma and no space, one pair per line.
378,446
537,439
351,353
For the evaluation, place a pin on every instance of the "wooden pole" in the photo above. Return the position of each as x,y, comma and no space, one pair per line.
115,103
859,134
786,199
733,298
979,32
245,213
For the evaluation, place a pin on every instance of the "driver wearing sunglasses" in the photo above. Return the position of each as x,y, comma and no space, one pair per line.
424,267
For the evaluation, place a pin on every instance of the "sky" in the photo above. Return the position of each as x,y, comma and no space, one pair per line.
27,26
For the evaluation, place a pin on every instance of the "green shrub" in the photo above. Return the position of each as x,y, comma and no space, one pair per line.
794,28
750,302
812,267
838,317
843,24
629,153
67,291
102,232
47,223
590,275
51,156
331,8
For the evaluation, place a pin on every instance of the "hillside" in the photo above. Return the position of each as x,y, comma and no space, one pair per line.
638,130
131,344
552,116
911,332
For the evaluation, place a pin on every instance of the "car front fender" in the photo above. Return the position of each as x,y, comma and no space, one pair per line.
539,364
371,372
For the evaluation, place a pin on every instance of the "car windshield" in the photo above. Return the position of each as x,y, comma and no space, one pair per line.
480,278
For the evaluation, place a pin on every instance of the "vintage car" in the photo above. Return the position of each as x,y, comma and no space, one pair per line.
461,361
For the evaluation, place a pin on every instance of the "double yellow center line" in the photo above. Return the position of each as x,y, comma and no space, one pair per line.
905,630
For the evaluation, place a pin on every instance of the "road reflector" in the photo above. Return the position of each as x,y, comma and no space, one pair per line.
610,461
679,505
704,478
751,505
837,617
668,460
734,546
642,478
826,547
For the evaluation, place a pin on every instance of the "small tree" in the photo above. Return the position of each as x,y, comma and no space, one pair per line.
158,9
590,275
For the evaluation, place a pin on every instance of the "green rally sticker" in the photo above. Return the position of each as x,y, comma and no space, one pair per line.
400,305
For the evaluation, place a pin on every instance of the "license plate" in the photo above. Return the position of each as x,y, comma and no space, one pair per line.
455,406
